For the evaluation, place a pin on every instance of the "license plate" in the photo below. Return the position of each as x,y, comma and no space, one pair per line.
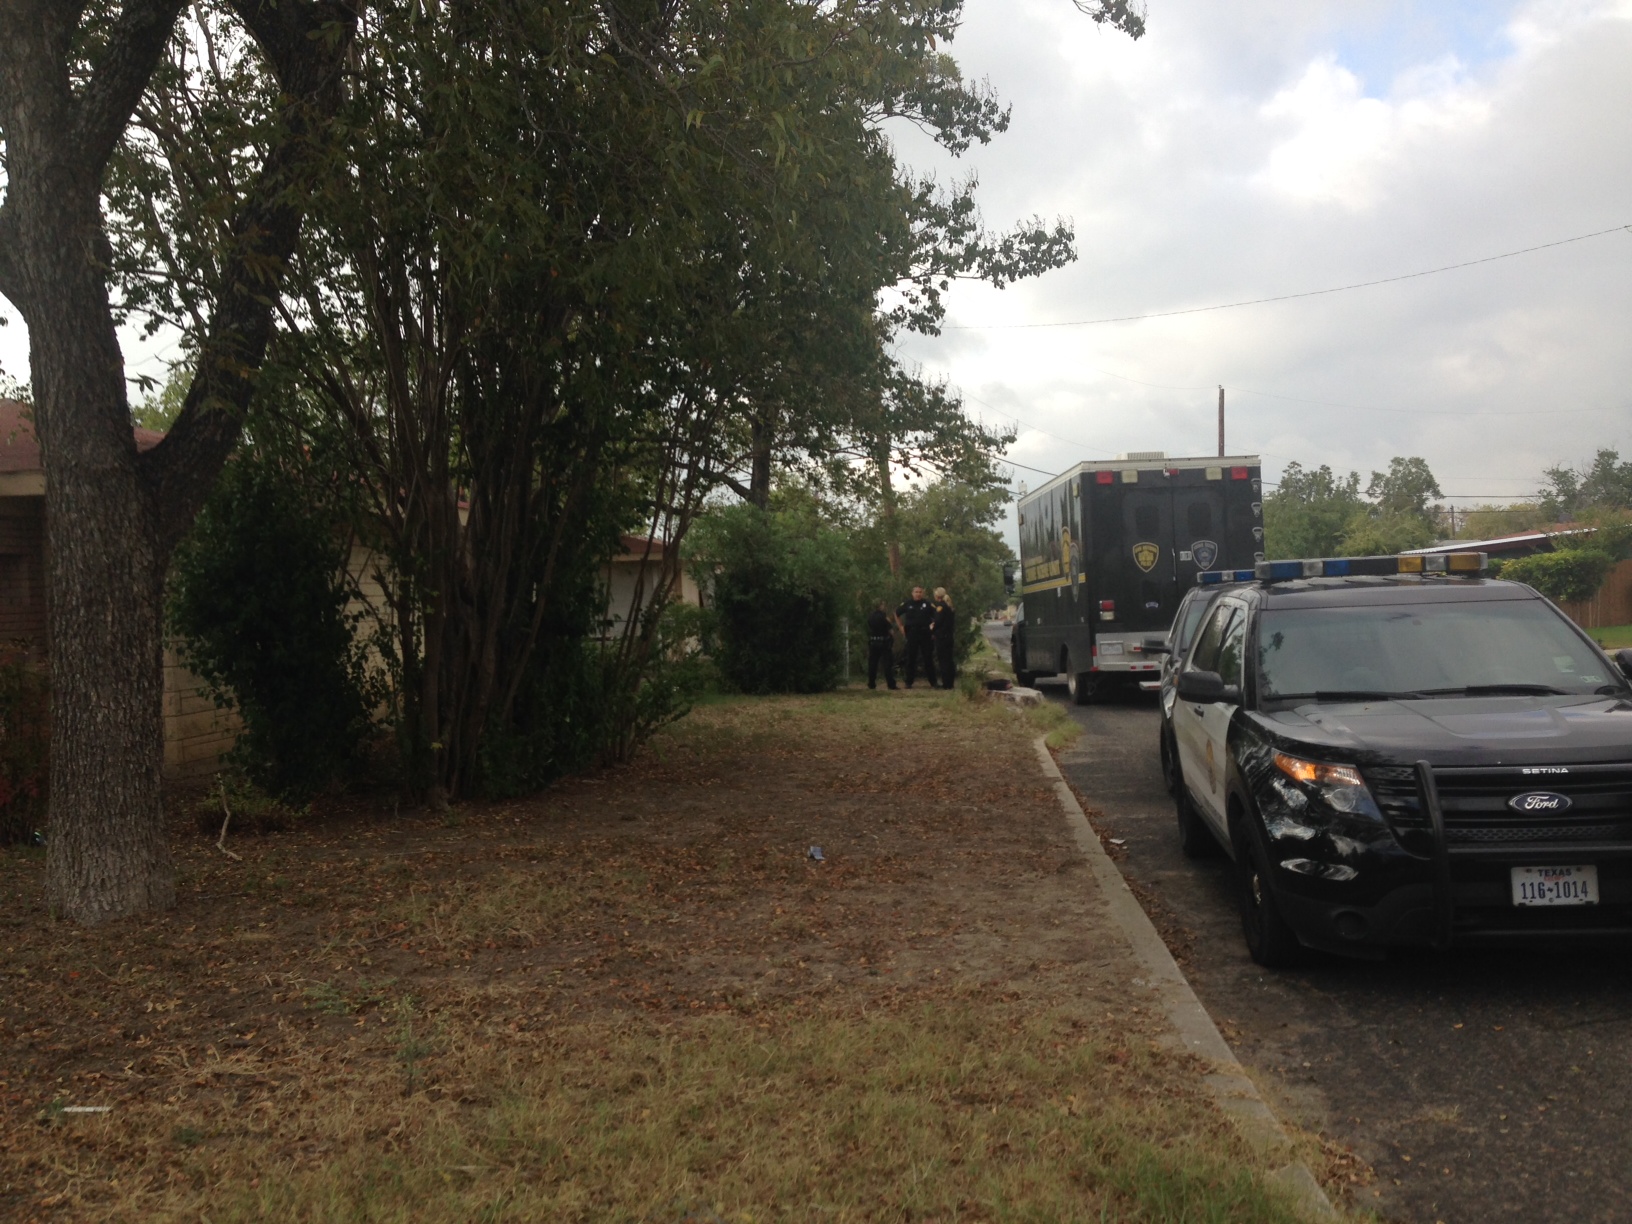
1555,886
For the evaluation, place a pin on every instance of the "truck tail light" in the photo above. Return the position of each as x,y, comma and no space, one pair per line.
1104,477
1107,605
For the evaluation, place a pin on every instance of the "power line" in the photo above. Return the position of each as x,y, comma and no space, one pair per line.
1027,467
1287,297
1523,412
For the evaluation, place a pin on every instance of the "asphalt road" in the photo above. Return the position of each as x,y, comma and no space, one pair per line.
1480,1085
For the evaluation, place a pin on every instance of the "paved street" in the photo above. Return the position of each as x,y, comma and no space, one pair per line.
1481,1086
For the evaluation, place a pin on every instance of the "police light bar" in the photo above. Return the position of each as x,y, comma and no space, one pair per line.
1211,577
1471,564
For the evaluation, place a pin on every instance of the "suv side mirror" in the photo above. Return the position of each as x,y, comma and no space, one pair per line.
1207,688
1623,660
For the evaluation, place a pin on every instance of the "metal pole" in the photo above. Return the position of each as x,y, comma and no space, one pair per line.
1221,421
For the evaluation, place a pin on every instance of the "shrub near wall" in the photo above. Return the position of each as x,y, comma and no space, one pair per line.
1567,575
259,597
778,579
25,743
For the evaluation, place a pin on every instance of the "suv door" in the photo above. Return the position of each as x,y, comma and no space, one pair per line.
1201,731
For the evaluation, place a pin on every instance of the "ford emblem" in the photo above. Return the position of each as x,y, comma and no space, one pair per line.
1539,801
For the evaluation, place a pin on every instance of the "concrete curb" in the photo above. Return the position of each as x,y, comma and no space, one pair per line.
1235,1093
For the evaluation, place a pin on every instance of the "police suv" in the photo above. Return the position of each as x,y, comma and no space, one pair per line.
1400,750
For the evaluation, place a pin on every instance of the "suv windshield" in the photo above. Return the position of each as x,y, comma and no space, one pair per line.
1478,648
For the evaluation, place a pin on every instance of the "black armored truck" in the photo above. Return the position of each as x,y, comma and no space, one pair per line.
1109,548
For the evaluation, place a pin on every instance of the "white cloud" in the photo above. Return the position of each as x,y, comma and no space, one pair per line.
1264,148
1343,142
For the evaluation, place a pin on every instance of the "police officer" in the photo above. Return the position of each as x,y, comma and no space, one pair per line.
943,630
880,646
916,616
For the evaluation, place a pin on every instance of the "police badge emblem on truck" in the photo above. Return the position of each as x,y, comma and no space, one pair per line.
1204,553
1146,554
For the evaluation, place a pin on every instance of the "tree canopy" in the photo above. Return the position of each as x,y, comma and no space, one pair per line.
1319,514
524,279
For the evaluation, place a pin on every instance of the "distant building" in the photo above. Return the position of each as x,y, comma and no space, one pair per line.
640,566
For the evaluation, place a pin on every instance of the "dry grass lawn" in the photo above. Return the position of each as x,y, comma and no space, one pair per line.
633,998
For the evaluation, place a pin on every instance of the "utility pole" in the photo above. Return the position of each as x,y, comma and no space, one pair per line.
1221,421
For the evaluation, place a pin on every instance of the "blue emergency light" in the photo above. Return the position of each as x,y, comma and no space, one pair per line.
1467,564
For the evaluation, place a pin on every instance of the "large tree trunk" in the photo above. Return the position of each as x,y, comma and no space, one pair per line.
762,437
886,504
107,854
112,518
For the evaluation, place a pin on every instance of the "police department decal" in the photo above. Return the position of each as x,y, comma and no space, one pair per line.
1540,801
1204,553
1145,555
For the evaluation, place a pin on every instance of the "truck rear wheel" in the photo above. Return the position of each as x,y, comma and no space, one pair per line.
1081,685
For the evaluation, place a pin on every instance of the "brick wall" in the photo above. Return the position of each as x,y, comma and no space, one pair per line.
22,573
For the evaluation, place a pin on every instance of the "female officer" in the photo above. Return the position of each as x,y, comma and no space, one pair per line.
944,629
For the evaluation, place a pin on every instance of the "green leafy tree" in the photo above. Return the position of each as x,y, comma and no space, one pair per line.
1407,488
1604,484
779,583
1310,512
948,537
1371,534
1485,522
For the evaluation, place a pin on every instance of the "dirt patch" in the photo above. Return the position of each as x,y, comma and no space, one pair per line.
369,996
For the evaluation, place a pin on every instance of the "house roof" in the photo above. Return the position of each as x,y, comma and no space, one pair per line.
20,449
635,548
1524,541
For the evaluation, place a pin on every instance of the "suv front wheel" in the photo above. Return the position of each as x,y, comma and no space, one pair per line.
1270,940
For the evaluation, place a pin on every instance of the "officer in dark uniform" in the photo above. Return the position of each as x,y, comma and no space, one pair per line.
944,630
916,615
880,646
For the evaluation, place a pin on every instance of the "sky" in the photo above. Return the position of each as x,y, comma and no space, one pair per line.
1262,148
1271,147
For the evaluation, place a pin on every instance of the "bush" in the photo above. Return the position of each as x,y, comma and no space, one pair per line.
779,581
25,745
259,598
1569,574
582,703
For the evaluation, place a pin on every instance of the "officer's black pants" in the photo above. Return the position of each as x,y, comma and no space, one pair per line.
880,653
920,648
945,668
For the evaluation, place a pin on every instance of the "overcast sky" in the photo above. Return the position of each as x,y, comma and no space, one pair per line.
1267,147
1275,146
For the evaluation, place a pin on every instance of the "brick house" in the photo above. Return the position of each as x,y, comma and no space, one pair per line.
195,732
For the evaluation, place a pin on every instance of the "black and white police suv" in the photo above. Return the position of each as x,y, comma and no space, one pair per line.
1400,750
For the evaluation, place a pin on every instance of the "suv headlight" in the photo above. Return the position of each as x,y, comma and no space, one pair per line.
1339,787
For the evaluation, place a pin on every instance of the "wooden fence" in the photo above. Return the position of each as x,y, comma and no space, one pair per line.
1611,606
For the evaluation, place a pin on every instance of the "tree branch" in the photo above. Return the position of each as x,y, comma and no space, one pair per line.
306,44
105,104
